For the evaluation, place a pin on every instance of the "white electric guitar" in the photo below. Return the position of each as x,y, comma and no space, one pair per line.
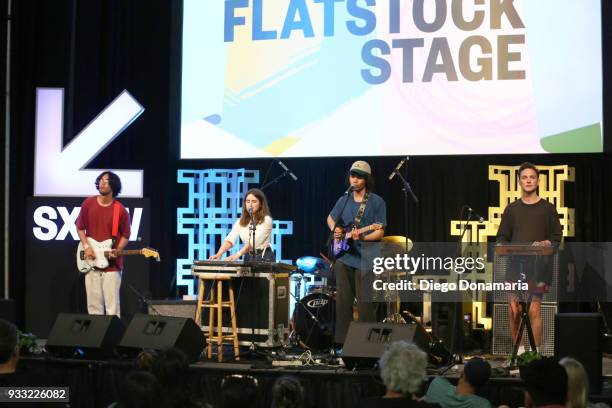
101,251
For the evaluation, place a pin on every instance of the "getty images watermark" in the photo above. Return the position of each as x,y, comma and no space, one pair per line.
405,265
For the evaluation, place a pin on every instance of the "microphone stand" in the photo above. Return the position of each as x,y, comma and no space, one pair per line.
456,343
143,299
405,189
253,229
330,256
274,180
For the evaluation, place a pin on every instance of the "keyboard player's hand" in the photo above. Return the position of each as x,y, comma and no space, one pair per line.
232,258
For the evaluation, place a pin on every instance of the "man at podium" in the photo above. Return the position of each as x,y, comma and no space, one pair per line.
530,220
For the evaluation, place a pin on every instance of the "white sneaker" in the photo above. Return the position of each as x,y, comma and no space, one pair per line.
521,350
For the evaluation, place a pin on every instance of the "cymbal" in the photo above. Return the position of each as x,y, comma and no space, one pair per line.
310,264
398,239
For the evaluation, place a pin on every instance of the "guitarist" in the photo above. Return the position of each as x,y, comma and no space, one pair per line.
360,208
98,215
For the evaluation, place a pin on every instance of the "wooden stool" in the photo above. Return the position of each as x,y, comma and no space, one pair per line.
216,303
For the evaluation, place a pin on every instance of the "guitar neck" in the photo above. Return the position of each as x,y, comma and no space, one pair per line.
362,230
126,252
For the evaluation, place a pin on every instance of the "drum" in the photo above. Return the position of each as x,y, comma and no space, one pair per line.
313,320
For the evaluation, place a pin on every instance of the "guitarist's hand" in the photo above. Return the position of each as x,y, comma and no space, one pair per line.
89,253
112,254
354,235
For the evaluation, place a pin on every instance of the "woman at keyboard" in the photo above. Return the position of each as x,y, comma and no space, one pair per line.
255,211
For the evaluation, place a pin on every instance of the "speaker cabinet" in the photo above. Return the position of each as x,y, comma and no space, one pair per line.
502,339
163,332
83,335
579,335
365,342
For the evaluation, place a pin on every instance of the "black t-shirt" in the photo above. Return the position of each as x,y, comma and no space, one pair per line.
527,223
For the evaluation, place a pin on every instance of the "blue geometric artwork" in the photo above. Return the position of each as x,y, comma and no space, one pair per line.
214,203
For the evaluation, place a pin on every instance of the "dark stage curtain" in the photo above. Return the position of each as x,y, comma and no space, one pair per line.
95,49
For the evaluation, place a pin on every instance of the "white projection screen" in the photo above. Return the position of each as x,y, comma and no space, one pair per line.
316,78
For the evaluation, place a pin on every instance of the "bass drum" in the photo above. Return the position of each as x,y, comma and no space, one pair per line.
313,320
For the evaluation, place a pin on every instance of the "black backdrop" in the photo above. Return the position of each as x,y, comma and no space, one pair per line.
95,49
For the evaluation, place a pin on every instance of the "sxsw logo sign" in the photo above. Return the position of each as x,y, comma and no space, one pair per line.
59,171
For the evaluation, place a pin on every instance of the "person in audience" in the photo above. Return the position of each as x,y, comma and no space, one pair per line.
403,370
140,389
239,391
146,359
476,373
578,385
9,349
287,392
171,368
545,384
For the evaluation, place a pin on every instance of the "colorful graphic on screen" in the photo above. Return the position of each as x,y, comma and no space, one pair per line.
315,78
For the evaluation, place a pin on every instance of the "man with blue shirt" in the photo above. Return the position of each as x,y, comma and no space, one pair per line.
476,374
359,208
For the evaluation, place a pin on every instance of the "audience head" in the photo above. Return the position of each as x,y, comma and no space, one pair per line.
239,391
171,367
9,343
140,389
146,359
545,383
403,367
577,383
476,372
287,392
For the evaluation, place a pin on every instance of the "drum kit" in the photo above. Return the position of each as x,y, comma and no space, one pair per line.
312,321
313,317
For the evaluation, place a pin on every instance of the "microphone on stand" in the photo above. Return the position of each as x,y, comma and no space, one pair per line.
479,217
289,172
397,168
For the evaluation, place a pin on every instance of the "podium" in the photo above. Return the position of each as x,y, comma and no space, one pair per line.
524,250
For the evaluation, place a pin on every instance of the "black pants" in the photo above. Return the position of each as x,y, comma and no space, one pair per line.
349,285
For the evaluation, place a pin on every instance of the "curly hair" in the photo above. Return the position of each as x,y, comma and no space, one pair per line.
113,180
403,367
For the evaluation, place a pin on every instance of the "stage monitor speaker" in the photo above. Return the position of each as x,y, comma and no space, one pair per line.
579,335
163,332
365,342
83,335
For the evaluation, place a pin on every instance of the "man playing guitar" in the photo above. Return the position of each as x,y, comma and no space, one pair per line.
359,209
99,214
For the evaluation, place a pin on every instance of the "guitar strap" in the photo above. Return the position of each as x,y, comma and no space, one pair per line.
115,231
361,209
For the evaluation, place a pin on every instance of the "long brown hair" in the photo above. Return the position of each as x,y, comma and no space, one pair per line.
258,215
